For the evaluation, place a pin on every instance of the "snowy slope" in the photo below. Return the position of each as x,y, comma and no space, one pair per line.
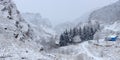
90,50
107,14
15,37
36,20
42,28
18,38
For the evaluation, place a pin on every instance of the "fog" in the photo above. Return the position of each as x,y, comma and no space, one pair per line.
59,11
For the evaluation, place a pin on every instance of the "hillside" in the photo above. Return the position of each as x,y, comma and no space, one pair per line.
107,14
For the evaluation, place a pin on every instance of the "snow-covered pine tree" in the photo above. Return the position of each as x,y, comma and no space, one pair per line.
64,38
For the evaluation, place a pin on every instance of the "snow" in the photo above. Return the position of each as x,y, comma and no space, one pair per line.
37,19
77,39
87,50
17,41
108,14
26,39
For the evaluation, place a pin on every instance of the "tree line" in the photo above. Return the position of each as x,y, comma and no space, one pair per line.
84,32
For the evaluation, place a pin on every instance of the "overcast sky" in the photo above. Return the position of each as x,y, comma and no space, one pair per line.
58,11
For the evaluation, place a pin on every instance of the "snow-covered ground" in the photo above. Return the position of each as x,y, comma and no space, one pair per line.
89,50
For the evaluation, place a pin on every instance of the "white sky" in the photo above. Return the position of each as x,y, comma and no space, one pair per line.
59,11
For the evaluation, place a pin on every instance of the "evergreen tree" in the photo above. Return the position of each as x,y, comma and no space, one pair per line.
62,41
64,38
71,36
80,31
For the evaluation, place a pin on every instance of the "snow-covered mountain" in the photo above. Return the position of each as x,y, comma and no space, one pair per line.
109,18
42,28
20,39
92,50
12,23
16,38
107,14
33,39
